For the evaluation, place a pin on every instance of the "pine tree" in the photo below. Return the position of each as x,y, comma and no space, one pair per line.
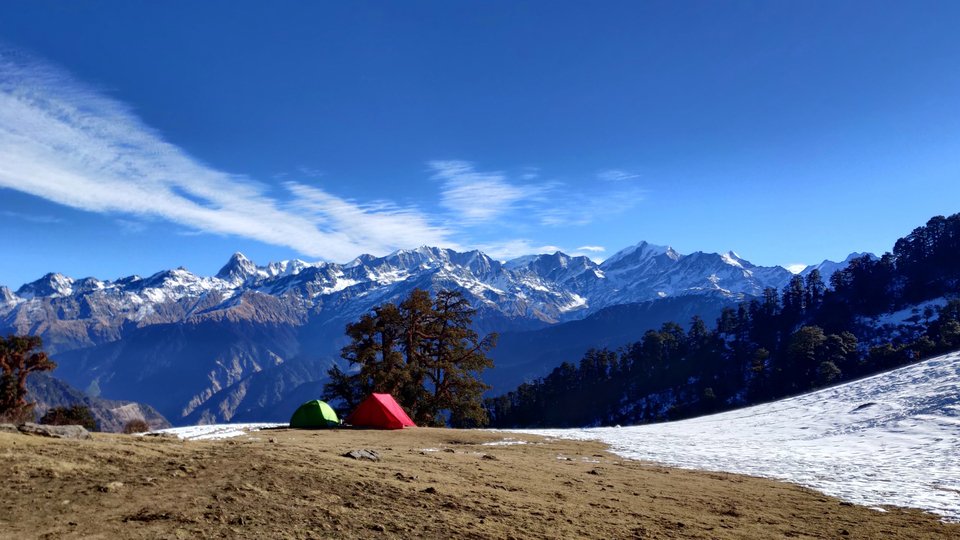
804,353
794,300
814,290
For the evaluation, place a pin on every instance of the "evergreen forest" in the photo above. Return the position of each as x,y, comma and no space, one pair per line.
809,335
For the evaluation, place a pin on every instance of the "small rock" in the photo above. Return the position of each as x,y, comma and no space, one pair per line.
489,457
378,527
845,503
272,439
363,454
450,450
111,487
594,472
59,432
431,490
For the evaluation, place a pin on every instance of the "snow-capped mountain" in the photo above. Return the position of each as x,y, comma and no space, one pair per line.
543,288
827,268
652,272
128,337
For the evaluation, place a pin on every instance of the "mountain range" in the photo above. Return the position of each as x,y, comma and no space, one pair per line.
205,349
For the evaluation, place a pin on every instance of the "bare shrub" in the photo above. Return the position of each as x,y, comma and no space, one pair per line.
137,425
78,415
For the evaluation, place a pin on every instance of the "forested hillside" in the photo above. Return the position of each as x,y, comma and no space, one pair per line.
873,315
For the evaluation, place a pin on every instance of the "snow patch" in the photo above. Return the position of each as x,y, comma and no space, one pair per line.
900,317
576,302
217,431
340,285
509,441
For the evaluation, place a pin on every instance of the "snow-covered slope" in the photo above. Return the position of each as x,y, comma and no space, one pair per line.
890,439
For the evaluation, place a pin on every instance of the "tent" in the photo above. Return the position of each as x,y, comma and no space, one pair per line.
380,411
314,414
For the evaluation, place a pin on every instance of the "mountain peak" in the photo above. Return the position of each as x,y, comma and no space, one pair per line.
237,269
237,256
827,268
733,259
6,296
639,252
52,284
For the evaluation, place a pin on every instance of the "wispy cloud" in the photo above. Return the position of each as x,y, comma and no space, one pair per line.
616,175
130,226
585,207
310,172
476,196
32,218
379,226
511,249
67,143
530,173
481,197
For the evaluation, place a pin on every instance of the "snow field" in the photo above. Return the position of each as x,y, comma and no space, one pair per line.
890,439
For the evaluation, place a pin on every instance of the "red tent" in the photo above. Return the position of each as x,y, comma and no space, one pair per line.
380,411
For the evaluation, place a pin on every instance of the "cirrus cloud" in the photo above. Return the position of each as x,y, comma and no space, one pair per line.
476,196
65,142
68,143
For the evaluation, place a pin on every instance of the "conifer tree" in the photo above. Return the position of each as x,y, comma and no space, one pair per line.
424,352
814,290
456,358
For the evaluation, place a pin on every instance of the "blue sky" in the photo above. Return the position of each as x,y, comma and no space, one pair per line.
139,136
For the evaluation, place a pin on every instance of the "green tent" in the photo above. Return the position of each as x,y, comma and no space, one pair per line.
314,414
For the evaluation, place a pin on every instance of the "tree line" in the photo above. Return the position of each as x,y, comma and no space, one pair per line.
785,342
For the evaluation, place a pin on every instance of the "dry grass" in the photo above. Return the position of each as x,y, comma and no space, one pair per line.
295,484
